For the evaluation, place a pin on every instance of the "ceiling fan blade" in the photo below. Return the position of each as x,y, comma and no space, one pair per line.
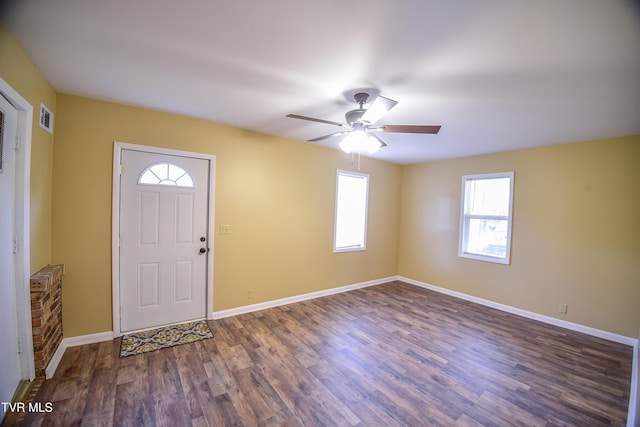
320,138
409,129
311,119
378,108
382,143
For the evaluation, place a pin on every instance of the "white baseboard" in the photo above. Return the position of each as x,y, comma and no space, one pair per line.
632,416
631,421
72,342
107,336
622,339
55,360
297,298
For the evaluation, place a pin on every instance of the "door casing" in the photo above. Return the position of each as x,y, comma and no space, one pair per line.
11,372
22,217
115,224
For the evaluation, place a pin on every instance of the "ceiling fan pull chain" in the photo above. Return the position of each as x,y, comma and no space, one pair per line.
353,160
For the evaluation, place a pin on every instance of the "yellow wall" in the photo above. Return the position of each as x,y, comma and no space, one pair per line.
20,73
575,238
576,232
277,195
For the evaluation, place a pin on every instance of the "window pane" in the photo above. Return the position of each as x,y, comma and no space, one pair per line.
160,170
184,181
487,237
148,178
175,172
351,211
488,196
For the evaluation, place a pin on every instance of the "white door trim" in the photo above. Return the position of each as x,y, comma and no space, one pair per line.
22,225
115,223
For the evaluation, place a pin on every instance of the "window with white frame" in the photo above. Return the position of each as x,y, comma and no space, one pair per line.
352,192
485,217
165,174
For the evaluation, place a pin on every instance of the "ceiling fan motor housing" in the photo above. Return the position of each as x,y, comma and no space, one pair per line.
354,116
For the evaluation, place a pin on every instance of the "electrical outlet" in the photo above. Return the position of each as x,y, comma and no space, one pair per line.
250,294
563,308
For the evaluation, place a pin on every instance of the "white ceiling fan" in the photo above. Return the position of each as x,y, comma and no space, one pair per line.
361,132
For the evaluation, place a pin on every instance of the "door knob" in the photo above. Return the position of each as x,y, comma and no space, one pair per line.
202,250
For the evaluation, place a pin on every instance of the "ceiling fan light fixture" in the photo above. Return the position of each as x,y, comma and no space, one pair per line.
358,142
360,137
347,144
372,145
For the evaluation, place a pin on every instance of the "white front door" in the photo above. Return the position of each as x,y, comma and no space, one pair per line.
10,374
163,239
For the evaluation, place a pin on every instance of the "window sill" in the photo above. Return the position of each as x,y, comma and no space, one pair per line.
349,249
486,258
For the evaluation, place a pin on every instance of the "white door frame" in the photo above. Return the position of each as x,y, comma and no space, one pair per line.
115,223
22,215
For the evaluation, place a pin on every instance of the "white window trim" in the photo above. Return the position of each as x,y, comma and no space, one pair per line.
366,213
464,219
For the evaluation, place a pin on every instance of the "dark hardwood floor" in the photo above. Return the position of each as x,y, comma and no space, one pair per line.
392,354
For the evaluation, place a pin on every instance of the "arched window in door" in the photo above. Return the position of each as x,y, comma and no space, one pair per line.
165,174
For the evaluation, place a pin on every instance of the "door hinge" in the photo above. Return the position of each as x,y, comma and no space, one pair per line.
19,345
18,141
16,246
121,169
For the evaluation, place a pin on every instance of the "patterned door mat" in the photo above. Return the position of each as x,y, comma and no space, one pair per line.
167,336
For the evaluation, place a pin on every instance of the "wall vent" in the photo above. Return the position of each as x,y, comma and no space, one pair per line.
46,119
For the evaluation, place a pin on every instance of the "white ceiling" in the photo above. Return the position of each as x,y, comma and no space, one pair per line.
496,74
